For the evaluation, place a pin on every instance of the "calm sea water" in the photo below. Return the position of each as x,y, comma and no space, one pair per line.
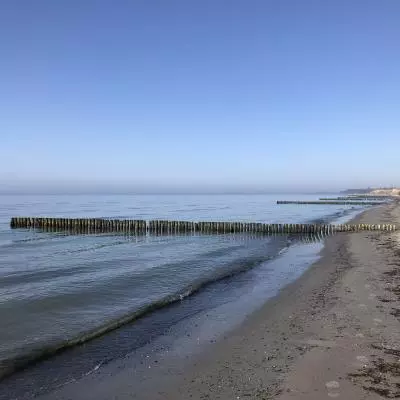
55,288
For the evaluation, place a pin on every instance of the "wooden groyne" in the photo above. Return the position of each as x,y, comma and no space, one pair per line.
95,225
352,199
372,196
335,202
103,225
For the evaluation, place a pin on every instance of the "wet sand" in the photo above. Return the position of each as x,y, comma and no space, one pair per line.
333,333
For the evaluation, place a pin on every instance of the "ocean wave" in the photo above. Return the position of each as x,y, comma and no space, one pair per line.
86,267
30,356
29,242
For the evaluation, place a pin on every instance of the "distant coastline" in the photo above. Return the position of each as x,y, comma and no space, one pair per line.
373,191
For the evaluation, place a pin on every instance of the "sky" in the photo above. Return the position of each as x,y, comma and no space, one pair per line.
199,94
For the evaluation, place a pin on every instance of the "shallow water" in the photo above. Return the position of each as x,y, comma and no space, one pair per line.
55,288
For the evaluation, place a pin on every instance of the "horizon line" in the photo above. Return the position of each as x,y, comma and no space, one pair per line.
72,193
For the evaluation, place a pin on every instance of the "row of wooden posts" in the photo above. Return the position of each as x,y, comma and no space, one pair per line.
100,225
332,202
371,196
353,198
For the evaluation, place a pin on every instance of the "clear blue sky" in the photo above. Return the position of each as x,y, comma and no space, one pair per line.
250,93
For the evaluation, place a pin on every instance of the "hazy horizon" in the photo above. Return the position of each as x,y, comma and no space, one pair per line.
72,188
199,95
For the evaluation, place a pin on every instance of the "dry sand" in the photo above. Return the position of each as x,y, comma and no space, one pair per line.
333,333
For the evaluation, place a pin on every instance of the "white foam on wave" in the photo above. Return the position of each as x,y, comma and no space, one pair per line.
284,250
93,369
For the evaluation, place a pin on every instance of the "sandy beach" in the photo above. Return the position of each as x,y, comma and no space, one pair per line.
333,333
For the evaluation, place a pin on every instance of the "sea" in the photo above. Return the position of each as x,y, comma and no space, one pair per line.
71,303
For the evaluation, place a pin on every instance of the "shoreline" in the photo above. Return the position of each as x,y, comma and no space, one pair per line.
253,360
